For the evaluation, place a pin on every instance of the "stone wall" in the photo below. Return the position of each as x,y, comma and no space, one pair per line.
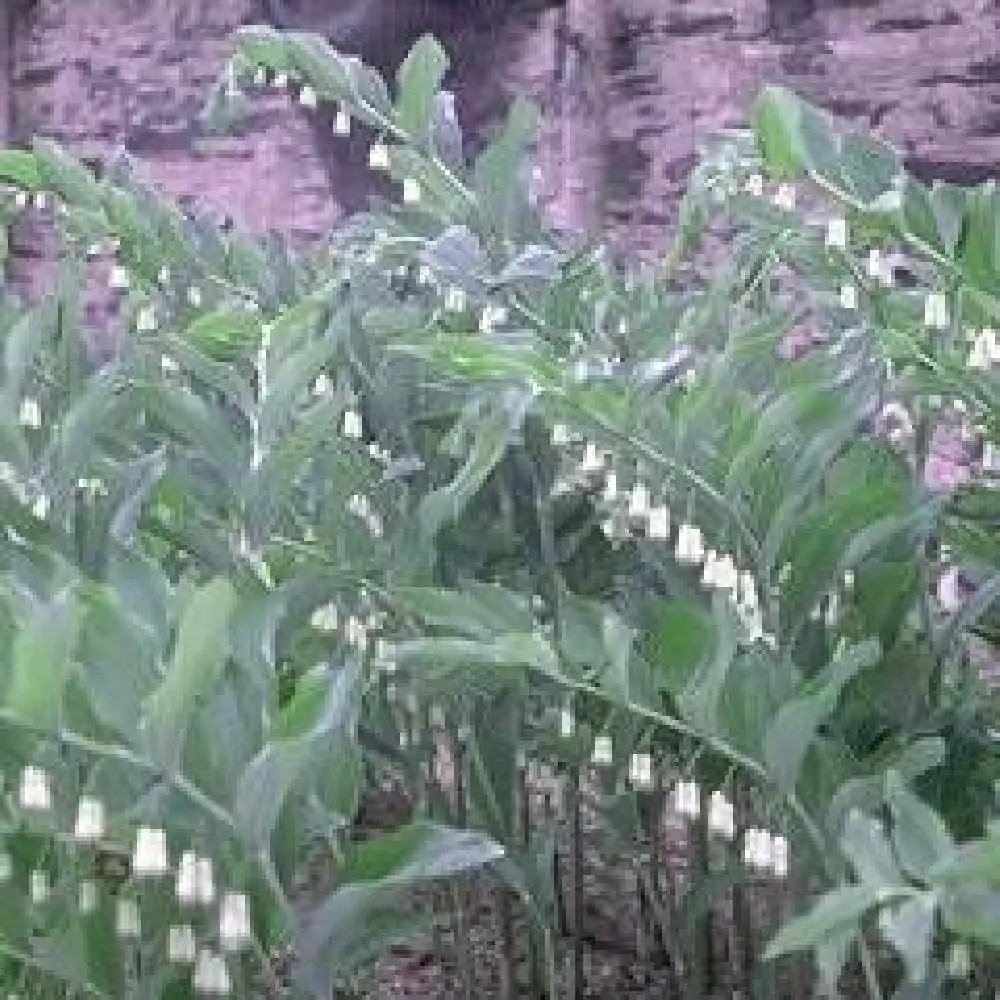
627,88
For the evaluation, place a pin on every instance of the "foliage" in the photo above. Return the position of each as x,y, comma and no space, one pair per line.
453,474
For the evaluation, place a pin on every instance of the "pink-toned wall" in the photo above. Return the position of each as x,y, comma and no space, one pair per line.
627,88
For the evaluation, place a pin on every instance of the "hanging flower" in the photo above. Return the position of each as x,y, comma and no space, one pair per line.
150,855
87,898
784,198
39,887
127,920
342,123
640,772
35,792
690,547
89,826
936,310
603,750
182,948
848,297
638,502
721,817
118,278
378,156
211,975
352,427
687,801
234,921
411,191
659,522
146,320
31,413
307,97
836,233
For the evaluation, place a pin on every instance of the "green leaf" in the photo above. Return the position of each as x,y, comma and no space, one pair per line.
919,835
66,176
700,699
42,659
223,334
775,117
864,842
199,658
417,83
478,611
948,205
979,253
918,214
794,727
834,913
498,178
19,168
870,167
909,928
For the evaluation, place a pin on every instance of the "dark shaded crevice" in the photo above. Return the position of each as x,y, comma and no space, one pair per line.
381,32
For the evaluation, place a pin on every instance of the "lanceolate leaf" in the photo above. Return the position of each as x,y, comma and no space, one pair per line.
794,727
836,911
199,657
42,661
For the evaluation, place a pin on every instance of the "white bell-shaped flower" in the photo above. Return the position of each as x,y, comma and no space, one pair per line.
280,81
454,299
756,848
936,310
638,502
211,974
234,921
88,897
567,722
342,123
89,827
150,856
352,426
34,791
205,881
726,574
848,297
118,278
721,816
690,549
755,185
187,879
687,799
709,573
784,197
39,886
307,97
611,487
659,522
411,191
145,321
378,156
182,948
948,592
603,750
30,414
593,460
325,618
128,923
640,770
194,296
560,435
779,856
836,233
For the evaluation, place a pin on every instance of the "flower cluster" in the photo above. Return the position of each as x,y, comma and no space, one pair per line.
194,888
